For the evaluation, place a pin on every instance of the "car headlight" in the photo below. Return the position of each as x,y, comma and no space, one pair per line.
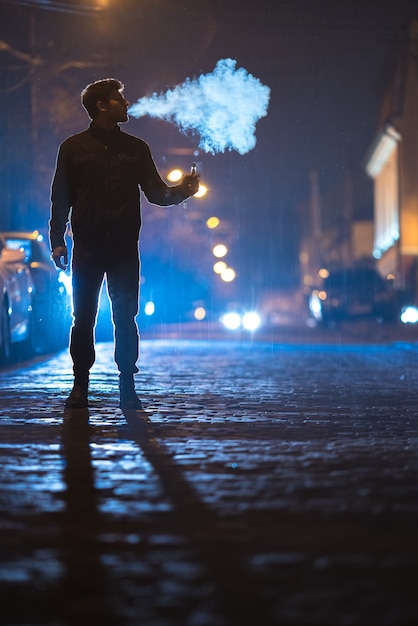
251,321
248,321
409,315
231,321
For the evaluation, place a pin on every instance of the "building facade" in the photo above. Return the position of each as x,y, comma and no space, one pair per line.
392,163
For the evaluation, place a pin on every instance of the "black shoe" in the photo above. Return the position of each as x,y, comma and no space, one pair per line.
78,397
128,398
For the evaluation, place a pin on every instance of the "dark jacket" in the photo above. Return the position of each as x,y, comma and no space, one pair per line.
98,177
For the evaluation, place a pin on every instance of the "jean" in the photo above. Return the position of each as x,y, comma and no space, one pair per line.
120,265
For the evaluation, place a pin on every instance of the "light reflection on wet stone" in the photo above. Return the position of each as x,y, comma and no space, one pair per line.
291,472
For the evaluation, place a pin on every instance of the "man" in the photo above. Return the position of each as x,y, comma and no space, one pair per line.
99,175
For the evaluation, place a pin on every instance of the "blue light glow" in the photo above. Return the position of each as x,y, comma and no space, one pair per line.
65,279
149,308
409,315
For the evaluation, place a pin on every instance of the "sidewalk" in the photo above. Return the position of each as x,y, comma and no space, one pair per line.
265,483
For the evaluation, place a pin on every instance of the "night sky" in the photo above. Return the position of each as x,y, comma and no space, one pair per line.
323,60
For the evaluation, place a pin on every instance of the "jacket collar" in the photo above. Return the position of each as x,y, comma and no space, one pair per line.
102,134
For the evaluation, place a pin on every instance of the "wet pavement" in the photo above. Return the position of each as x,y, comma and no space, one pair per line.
265,483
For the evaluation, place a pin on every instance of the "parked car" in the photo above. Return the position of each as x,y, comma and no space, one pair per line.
16,293
352,293
51,297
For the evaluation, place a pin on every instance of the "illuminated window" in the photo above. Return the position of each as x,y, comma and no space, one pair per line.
383,168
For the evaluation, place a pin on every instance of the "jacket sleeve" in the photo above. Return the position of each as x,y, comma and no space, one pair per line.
60,199
155,189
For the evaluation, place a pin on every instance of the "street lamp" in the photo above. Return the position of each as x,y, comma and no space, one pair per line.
219,267
228,275
174,175
220,250
202,191
213,222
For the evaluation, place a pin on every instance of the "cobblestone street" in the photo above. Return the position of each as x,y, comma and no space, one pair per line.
264,484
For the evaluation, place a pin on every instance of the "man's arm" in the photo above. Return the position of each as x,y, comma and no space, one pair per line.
60,209
158,192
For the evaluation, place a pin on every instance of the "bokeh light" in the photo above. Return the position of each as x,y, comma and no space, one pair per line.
201,192
251,321
219,267
200,313
228,275
149,308
220,250
212,222
231,320
175,175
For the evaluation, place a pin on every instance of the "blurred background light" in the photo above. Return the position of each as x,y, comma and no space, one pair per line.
202,191
220,250
66,280
212,222
200,313
228,275
174,175
149,308
251,320
231,321
409,315
219,267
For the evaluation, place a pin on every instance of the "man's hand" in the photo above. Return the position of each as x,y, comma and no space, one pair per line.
190,184
58,253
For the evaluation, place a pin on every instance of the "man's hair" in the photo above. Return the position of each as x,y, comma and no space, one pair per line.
99,90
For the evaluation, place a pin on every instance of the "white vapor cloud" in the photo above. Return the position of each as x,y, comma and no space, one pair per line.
222,107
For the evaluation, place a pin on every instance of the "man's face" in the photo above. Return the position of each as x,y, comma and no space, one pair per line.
116,107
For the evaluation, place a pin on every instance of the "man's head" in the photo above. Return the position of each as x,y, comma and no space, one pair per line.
104,99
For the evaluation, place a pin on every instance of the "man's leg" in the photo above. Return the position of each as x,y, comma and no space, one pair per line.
123,287
87,279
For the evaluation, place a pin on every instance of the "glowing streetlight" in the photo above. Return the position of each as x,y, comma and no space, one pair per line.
175,175
200,313
219,267
201,192
220,250
228,275
213,222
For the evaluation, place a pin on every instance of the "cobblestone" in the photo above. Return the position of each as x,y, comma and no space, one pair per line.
264,483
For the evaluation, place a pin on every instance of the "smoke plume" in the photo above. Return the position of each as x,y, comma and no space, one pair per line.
222,107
